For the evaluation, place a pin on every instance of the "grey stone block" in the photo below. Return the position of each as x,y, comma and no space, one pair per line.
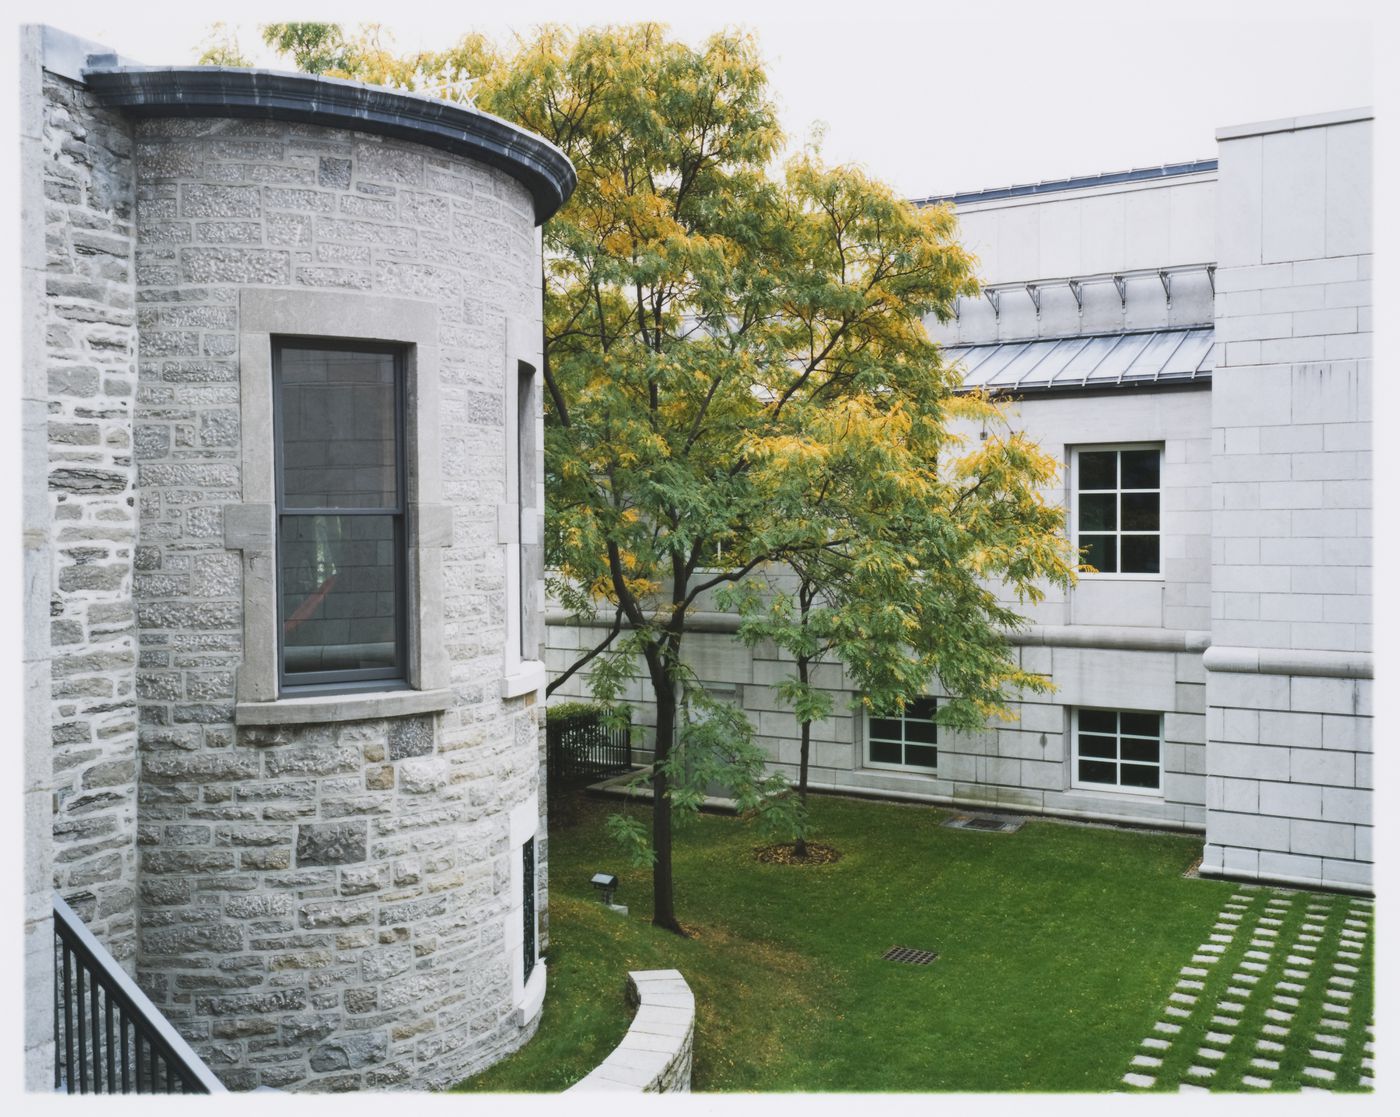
331,843
411,737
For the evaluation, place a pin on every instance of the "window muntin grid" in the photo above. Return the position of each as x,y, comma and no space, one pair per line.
1118,509
1118,749
905,741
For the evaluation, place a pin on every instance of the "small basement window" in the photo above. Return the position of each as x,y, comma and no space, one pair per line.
905,741
1118,749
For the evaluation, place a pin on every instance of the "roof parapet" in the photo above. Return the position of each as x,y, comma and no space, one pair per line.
1080,182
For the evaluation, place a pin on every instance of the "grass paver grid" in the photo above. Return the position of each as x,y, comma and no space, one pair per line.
1266,1014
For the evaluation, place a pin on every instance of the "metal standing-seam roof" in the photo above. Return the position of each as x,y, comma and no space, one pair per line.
1097,361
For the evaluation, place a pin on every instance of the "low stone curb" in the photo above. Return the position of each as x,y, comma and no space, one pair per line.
654,1056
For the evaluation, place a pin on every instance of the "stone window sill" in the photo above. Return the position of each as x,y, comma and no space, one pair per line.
532,1000
526,676
351,706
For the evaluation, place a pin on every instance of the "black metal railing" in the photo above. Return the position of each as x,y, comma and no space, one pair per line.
583,749
108,1036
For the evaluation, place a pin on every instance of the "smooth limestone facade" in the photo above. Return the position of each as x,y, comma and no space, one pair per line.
320,892
1253,642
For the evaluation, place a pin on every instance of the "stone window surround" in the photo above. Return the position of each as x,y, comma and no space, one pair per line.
1072,745
1072,481
527,996
519,523
251,527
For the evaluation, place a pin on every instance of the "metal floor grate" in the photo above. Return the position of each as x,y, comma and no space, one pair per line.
986,823
909,955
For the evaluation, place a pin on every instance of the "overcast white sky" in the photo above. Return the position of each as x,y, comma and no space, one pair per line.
932,97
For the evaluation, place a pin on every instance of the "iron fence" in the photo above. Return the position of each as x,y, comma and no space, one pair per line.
582,749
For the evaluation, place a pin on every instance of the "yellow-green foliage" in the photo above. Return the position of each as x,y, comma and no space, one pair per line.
738,375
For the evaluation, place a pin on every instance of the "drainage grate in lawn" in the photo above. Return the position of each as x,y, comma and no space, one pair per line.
909,955
988,823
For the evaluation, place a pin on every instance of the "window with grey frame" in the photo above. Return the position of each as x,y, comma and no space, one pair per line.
338,419
531,569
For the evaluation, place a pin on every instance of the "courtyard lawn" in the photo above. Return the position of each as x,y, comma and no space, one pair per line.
1058,947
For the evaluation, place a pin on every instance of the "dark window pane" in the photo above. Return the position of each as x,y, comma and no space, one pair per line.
922,755
1098,721
1101,747
1142,725
1142,469
1096,771
887,728
1141,511
1142,554
886,752
1098,512
1100,552
921,708
1137,748
924,732
338,429
338,581
1098,469
1141,775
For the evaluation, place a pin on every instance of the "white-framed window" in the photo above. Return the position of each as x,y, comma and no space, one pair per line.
907,741
1119,750
1116,508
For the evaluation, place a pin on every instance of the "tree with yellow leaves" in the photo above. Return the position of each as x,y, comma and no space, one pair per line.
739,381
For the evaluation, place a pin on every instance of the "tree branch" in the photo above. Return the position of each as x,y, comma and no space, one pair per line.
584,660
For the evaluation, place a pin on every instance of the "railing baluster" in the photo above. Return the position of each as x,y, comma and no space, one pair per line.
68,1015
82,1032
111,1044
58,1063
96,1037
126,1054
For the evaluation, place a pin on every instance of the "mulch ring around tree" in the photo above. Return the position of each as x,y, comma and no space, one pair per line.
785,854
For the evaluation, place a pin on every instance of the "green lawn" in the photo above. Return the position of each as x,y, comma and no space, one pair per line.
1058,947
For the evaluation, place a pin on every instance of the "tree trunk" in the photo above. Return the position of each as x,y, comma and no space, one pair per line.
800,849
662,891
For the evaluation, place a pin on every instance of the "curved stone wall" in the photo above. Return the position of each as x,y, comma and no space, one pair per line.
655,1055
329,900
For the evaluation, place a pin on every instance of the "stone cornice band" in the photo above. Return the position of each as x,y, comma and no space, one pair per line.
225,91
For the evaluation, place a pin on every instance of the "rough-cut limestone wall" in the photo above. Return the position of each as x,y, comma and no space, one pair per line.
91,356
326,906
